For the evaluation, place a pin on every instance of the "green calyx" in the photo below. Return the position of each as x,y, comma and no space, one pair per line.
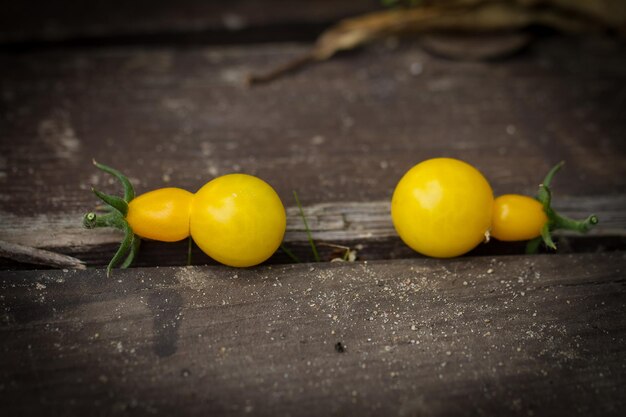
114,216
556,221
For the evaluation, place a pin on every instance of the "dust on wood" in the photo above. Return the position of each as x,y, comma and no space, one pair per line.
419,336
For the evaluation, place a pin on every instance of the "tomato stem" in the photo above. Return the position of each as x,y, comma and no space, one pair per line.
548,179
116,202
581,226
112,219
129,191
555,220
122,250
547,237
115,216
134,250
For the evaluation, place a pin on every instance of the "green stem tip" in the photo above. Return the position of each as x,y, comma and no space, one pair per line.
123,251
116,202
129,191
113,219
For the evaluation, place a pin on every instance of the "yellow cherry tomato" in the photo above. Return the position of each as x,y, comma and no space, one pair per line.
238,220
442,207
161,214
517,217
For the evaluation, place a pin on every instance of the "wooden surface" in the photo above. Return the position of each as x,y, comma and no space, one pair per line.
150,91
33,23
345,130
340,133
474,336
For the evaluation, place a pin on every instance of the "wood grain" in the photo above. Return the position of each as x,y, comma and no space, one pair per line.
345,130
31,255
478,336
153,21
366,227
340,133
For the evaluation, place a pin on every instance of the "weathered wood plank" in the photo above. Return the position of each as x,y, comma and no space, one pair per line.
62,20
328,222
541,335
31,255
343,131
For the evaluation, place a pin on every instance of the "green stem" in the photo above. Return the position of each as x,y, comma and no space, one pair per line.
547,237
544,195
555,220
566,223
115,216
122,250
134,250
129,191
548,179
113,219
116,202
316,255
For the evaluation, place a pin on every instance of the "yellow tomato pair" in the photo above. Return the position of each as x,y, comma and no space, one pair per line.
236,219
444,207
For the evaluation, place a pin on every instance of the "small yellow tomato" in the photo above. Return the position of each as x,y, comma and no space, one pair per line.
442,207
517,217
161,214
238,220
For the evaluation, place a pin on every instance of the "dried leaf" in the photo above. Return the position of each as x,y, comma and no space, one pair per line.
474,16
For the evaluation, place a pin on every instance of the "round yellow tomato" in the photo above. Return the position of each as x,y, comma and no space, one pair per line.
517,217
442,207
161,214
238,220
